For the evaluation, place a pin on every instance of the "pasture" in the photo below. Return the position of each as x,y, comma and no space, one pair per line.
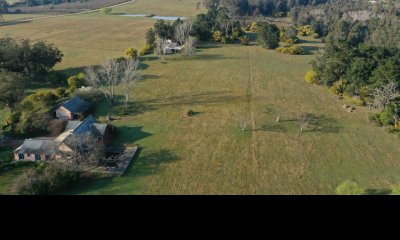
209,153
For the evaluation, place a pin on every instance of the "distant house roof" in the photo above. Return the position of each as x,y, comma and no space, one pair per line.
35,146
173,46
76,105
50,147
86,125
89,125
99,129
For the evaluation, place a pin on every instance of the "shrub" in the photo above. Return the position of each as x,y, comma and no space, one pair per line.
306,30
90,95
356,100
296,50
106,10
147,49
387,116
392,130
76,82
374,119
224,40
60,92
338,88
188,113
350,188
28,183
395,189
217,36
13,117
244,40
292,50
47,179
255,27
237,33
42,97
132,53
311,77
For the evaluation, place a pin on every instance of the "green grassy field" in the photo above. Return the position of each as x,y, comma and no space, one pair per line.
209,154
90,38
225,85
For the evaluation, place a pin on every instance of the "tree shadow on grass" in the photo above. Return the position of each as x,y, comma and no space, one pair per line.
310,50
129,135
208,46
208,57
151,162
314,41
273,128
378,191
323,123
139,107
320,123
143,164
148,77
72,71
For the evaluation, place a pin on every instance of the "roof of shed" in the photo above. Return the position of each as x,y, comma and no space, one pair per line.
76,105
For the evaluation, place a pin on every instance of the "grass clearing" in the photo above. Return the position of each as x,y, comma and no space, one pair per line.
209,154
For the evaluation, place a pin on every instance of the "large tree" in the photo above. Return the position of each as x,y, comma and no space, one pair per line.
25,57
268,36
113,74
106,78
183,31
12,88
130,75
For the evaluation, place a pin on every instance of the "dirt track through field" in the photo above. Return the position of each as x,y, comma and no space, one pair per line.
252,117
69,14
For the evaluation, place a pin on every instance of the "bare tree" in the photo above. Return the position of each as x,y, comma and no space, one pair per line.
85,152
161,47
129,78
182,32
105,78
304,121
384,95
189,49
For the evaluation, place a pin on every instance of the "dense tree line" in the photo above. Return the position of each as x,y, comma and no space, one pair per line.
45,2
261,7
218,19
380,16
27,58
22,62
353,65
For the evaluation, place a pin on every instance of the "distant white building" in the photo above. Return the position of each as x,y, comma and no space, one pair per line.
172,47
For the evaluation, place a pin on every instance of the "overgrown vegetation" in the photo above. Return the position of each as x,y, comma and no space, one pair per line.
356,65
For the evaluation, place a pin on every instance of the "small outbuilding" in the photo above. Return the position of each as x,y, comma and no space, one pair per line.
73,109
